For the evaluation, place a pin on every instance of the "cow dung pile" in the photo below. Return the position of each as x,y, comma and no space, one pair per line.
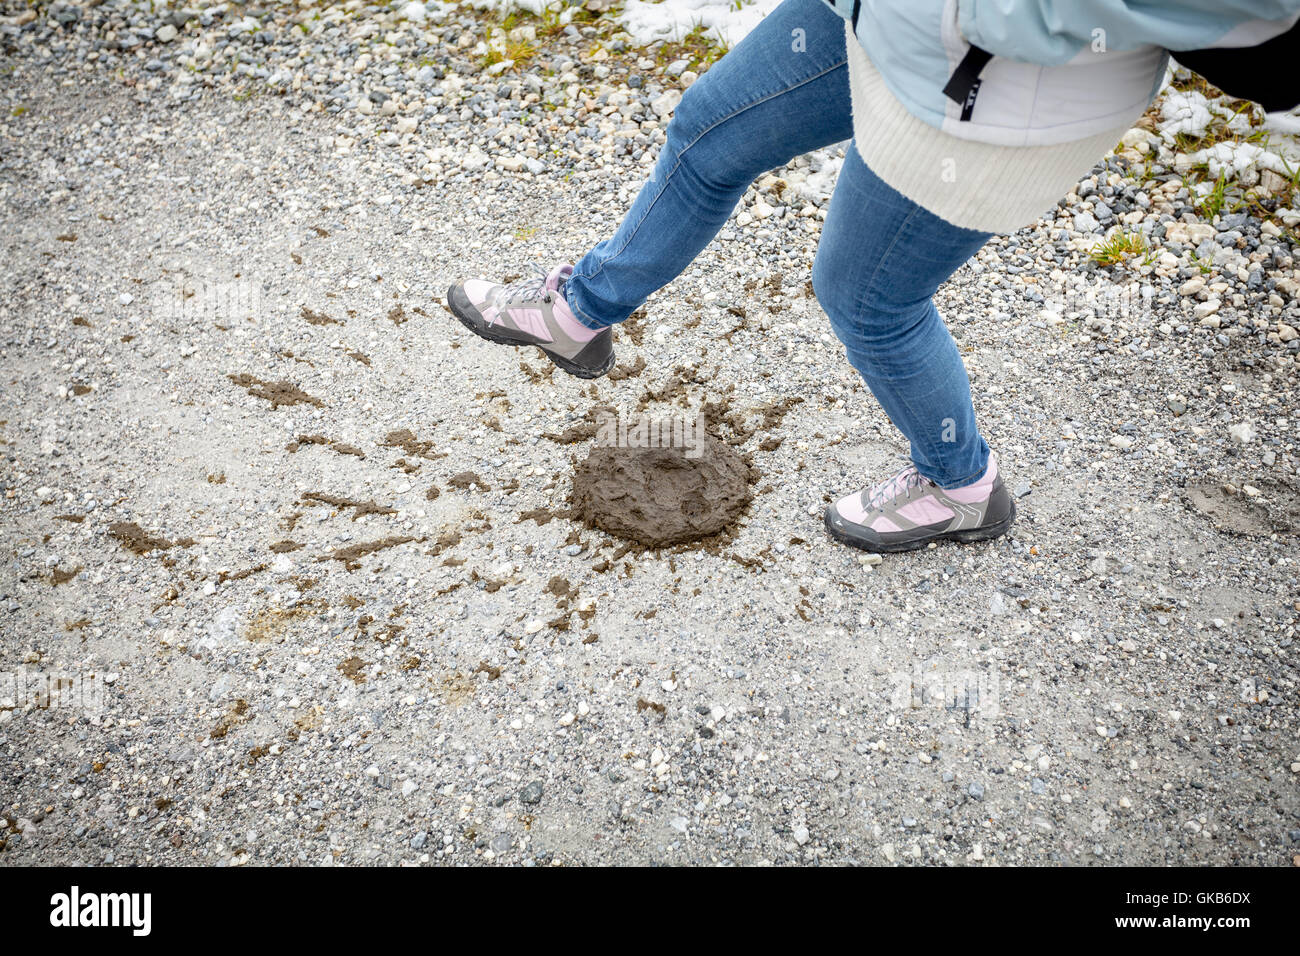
659,497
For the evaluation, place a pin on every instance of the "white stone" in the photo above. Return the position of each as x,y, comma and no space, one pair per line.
664,104
1206,308
1241,433
1188,233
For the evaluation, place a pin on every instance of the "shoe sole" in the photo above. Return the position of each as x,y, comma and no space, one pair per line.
480,328
967,536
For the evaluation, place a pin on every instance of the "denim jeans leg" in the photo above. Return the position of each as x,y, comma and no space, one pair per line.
783,91
880,260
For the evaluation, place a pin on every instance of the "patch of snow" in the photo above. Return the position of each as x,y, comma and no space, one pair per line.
672,19
1184,111
648,22
1241,161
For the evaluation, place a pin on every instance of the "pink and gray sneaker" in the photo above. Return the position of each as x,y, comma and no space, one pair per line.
533,312
909,511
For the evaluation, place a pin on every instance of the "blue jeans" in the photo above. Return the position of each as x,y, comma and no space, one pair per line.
881,256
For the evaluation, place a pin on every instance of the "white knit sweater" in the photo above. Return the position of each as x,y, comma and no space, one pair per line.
970,184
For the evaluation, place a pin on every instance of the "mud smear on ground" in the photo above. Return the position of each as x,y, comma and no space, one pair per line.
317,318
343,448
351,556
540,515
448,539
351,669
1276,510
566,596
360,508
490,585
301,440
536,376
283,547
465,479
658,497
619,372
277,393
64,575
771,415
565,593
573,434
634,325
75,519
405,439
669,393
237,714
358,357
138,541
224,576
298,358
583,430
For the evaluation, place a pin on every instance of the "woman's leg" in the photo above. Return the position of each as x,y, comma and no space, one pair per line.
880,260
781,92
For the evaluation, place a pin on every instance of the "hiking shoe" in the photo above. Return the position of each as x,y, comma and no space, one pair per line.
909,511
533,312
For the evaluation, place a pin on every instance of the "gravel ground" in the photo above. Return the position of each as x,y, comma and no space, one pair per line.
306,537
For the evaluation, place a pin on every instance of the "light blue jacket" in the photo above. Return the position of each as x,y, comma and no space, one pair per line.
1061,70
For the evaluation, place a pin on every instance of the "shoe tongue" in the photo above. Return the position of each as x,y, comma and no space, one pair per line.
557,277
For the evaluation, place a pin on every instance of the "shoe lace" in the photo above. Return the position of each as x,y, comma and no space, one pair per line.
901,483
530,287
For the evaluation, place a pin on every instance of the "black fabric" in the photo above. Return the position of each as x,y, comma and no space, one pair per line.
1269,73
964,84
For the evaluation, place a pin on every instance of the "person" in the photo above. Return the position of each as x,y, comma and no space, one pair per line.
967,118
